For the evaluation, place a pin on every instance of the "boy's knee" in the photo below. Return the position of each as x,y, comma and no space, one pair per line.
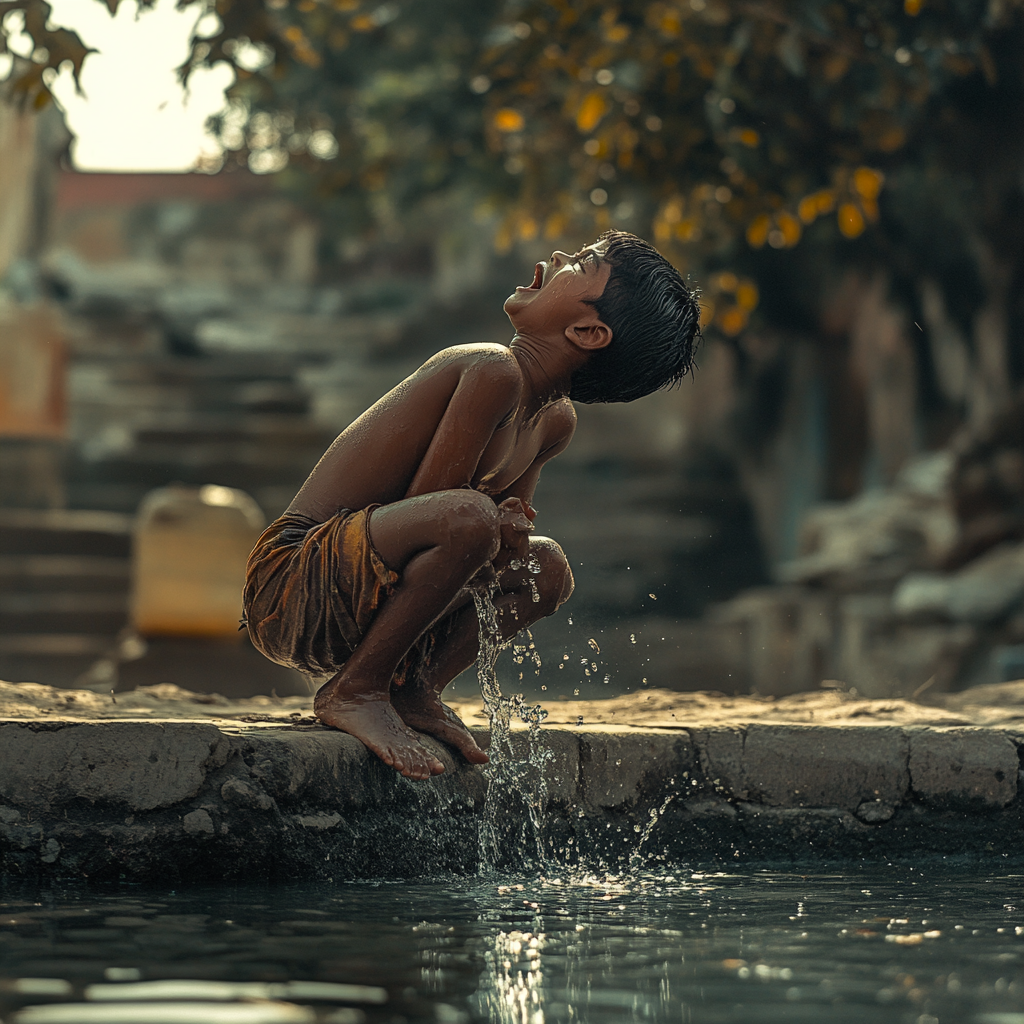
474,524
554,581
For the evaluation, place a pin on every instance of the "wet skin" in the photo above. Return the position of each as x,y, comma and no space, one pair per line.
453,455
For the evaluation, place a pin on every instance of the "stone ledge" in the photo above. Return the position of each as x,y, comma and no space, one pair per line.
193,800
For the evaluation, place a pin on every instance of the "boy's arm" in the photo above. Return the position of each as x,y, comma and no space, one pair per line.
486,393
524,487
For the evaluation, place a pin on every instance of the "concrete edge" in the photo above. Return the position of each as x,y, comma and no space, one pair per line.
202,799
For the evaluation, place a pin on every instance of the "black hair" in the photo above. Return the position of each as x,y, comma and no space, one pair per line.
655,323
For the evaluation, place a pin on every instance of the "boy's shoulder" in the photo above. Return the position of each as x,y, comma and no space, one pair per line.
486,363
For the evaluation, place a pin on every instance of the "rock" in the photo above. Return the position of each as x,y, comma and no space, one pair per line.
921,593
880,535
617,768
136,765
989,587
806,766
196,822
985,590
881,656
874,811
786,636
245,794
963,766
987,485
721,759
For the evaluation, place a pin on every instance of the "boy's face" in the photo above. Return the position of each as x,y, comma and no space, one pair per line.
561,292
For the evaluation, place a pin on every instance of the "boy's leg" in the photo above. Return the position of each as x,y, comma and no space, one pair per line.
437,542
418,701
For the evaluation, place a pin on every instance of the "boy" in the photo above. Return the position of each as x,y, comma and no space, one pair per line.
363,581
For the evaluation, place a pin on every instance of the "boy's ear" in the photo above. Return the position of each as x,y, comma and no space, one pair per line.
589,335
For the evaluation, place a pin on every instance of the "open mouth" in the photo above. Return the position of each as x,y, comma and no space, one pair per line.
538,278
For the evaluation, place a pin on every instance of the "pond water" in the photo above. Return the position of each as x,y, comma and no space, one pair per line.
879,946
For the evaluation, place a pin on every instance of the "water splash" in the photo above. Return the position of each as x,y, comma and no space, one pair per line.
513,784
645,832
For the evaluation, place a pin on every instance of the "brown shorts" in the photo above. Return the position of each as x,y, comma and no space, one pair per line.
312,589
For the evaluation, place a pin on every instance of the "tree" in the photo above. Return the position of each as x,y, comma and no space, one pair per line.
766,146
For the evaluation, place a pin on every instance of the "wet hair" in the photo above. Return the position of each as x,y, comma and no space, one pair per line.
655,323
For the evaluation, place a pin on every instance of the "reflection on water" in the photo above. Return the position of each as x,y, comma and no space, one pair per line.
881,946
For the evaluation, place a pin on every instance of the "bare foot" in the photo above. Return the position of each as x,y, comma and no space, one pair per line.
373,721
421,708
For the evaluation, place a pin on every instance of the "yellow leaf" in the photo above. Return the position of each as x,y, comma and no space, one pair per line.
891,139
732,321
790,228
851,220
685,230
554,225
503,240
592,109
747,296
364,23
509,120
749,137
673,211
616,34
807,210
868,182
528,229
757,231
826,200
912,7
727,281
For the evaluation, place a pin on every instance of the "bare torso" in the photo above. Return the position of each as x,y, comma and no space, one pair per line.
465,418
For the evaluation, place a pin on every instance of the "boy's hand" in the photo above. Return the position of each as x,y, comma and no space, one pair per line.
516,525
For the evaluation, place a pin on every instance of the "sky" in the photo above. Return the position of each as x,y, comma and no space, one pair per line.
135,116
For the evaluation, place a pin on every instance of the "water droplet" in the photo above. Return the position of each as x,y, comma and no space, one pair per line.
593,644
632,638
652,597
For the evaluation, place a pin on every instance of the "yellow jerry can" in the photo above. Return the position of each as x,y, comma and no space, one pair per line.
188,566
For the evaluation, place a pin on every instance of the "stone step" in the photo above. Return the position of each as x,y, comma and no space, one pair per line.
65,573
65,532
97,613
55,659
246,471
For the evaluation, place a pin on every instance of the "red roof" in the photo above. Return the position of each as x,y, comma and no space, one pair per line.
78,190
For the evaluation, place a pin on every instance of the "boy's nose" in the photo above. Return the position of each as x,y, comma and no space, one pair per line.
559,258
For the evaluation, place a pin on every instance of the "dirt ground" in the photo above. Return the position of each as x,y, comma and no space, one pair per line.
997,705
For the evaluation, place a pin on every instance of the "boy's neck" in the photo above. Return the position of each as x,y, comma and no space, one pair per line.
547,368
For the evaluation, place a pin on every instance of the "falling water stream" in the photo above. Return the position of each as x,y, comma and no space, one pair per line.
514,782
